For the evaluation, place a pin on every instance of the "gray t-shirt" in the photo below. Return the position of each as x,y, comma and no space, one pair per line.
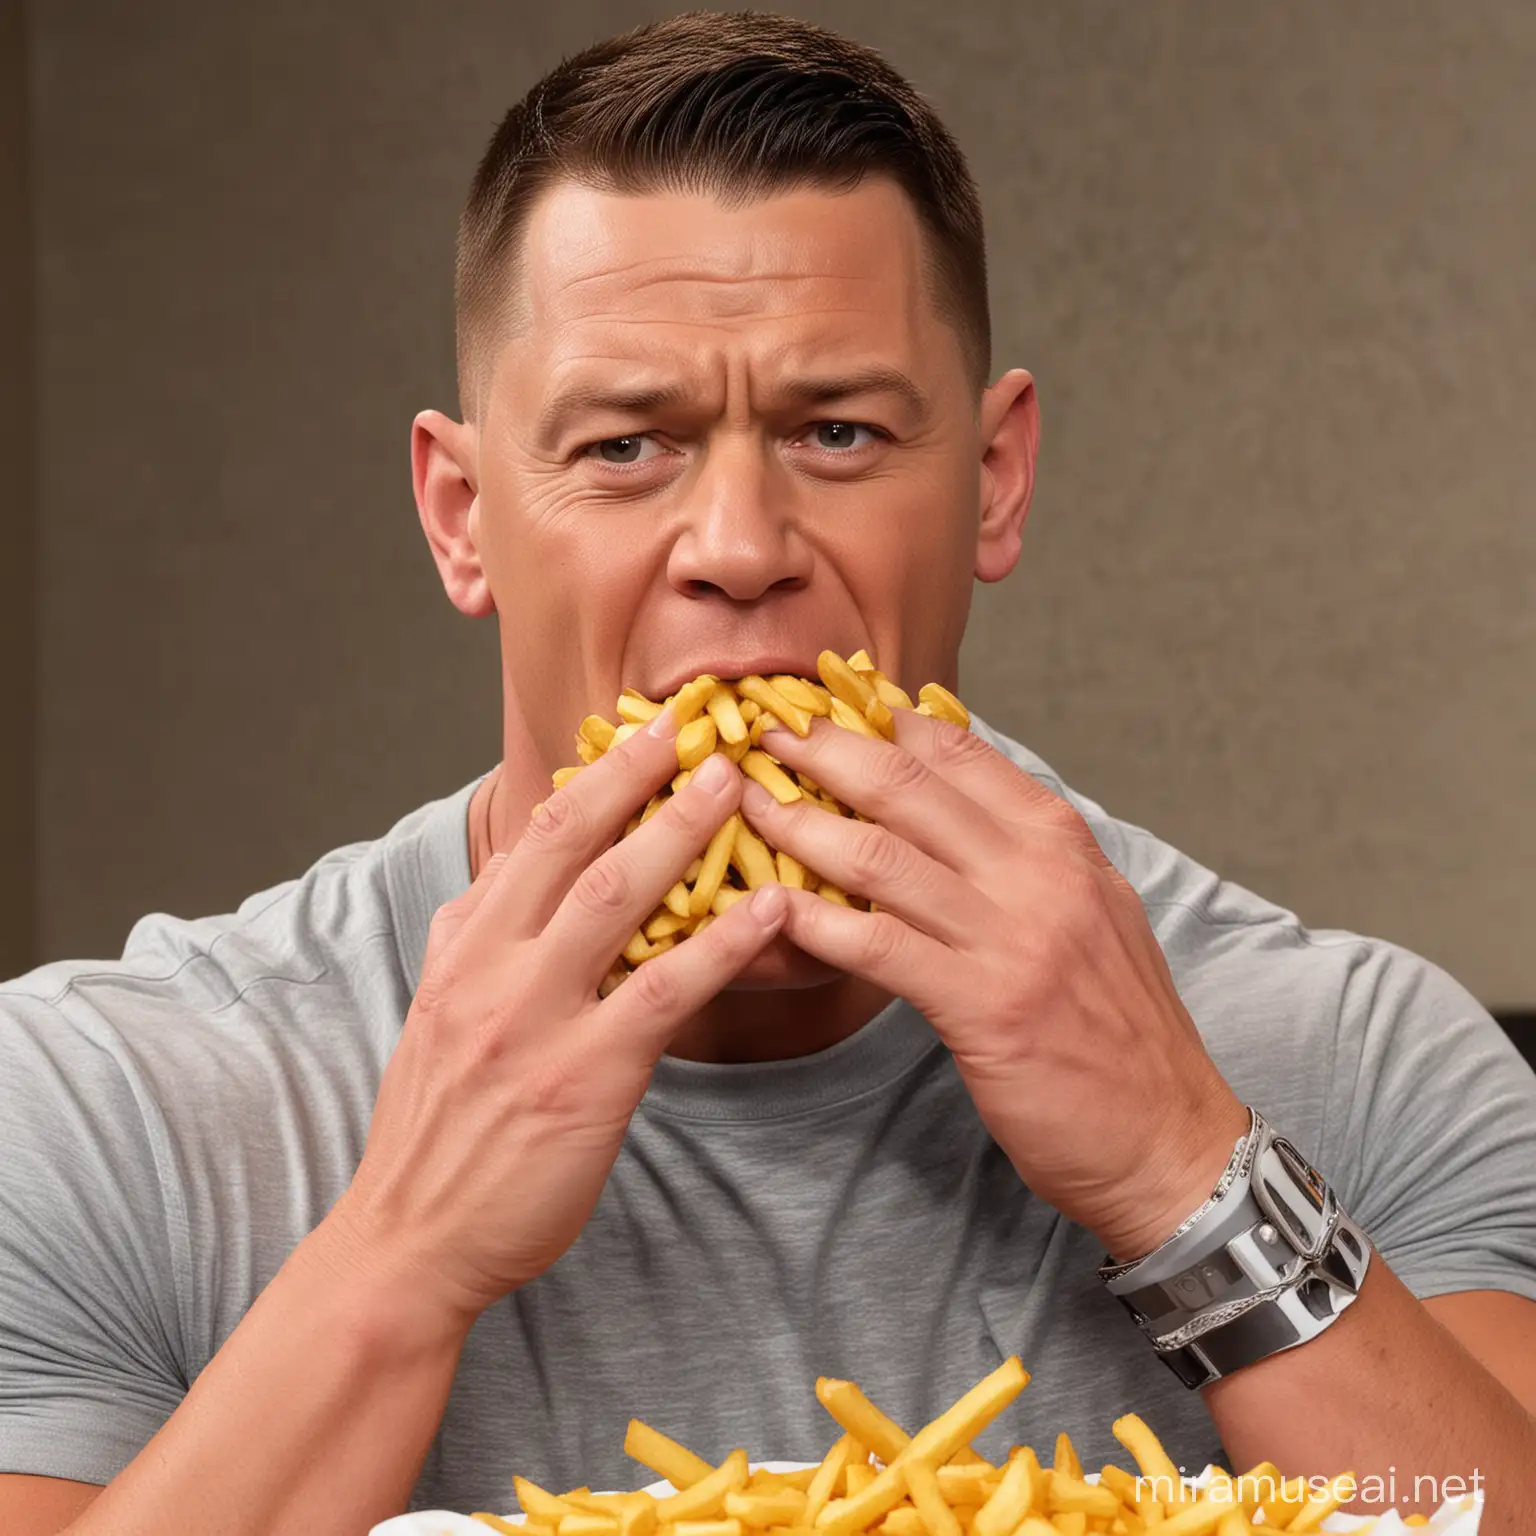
174,1123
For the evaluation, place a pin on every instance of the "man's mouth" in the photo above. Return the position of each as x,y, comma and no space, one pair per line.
763,664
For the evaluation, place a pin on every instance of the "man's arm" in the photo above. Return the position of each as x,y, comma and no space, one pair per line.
1391,1392
316,1414
32,1504
1499,1330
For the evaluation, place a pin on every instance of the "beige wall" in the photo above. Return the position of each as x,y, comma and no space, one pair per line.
18,585
1271,266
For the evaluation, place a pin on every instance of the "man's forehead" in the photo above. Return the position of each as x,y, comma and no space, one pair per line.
597,257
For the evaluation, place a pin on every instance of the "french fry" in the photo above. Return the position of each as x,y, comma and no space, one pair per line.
843,682
1339,1491
878,714
663,925
1285,1501
679,1466
791,871
705,1499
538,1503
800,693
1065,1459
852,719
1011,1500
726,898
934,1443
944,705
1198,1519
966,1484
691,698
635,709
726,713
923,1484
1071,1495
716,857
760,1511
860,662
597,731
849,1406
1156,1467
858,1477
1249,1487
695,741
763,693
758,765
827,1475
584,1523
752,859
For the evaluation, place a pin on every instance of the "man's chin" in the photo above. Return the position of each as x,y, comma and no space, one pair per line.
783,966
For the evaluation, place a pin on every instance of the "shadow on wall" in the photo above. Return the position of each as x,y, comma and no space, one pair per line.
1521,1028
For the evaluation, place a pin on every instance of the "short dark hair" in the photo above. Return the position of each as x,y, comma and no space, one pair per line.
737,106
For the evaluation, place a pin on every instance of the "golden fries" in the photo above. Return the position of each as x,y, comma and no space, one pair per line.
930,1484
729,717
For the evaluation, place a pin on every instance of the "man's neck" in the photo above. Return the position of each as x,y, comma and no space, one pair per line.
733,1026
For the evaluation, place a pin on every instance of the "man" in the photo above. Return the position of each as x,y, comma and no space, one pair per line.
361,1198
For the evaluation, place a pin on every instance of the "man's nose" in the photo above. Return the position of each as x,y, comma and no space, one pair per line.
740,534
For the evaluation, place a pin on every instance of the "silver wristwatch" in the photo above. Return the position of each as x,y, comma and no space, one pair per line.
1267,1263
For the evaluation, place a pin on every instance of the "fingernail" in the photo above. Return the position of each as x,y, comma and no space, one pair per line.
769,904
713,773
665,724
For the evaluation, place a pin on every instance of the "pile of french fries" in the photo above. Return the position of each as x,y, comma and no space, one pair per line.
876,1480
729,716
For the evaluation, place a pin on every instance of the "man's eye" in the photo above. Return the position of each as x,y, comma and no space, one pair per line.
623,450
842,435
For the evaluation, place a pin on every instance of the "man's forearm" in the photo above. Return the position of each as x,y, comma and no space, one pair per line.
1388,1394
316,1414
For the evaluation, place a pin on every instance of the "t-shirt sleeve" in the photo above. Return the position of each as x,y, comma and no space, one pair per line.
1431,1134
90,1340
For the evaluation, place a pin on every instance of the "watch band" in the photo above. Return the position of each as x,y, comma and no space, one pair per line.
1266,1263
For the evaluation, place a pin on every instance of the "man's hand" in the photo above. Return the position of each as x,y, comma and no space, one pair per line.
506,1101
1002,921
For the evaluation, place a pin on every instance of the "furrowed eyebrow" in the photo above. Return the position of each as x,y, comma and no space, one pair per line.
878,379
595,397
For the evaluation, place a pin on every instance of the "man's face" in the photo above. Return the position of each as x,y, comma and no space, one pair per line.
722,439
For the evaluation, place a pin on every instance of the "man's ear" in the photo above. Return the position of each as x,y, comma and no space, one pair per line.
443,472
1009,429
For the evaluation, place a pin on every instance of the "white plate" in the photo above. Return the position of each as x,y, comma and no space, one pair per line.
1451,1519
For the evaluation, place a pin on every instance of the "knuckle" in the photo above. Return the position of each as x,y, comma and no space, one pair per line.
603,888
955,745
882,939
654,988
875,857
561,820
895,772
